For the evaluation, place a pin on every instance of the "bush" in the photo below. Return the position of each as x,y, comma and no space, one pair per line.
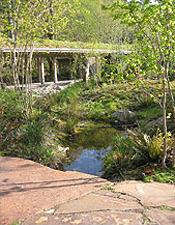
11,118
121,157
134,151
22,136
149,149
144,101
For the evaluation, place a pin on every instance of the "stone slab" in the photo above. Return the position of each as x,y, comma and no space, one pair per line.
87,218
161,217
150,194
34,194
96,202
28,188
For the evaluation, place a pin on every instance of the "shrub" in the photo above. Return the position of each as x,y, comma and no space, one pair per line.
11,118
144,101
132,152
149,149
121,157
24,136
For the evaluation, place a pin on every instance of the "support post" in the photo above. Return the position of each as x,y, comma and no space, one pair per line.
70,68
42,72
55,70
98,65
87,72
39,68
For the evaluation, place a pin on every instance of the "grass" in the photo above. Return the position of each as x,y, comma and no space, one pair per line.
138,157
47,43
67,44
108,188
81,102
30,137
98,102
167,208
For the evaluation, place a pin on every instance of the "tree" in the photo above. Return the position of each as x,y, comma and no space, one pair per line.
23,22
57,16
87,22
154,27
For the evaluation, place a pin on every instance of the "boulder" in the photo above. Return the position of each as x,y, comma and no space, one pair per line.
125,117
158,123
155,123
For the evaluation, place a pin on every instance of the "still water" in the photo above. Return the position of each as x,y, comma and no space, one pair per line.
88,149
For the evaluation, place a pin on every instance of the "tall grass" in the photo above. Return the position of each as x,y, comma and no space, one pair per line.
29,137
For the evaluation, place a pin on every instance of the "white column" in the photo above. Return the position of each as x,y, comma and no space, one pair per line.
98,65
70,68
39,68
55,71
42,72
87,72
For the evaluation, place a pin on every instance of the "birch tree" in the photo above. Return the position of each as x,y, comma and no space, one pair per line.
154,25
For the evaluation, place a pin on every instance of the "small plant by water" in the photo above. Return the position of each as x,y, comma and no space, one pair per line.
138,156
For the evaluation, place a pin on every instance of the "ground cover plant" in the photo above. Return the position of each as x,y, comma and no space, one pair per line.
138,156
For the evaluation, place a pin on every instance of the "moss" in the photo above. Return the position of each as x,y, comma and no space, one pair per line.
15,223
167,208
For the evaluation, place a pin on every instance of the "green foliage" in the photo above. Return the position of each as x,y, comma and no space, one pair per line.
163,175
11,105
90,23
71,122
11,117
132,152
16,223
47,43
61,114
154,23
149,149
73,20
28,20
22,136
121,157
144,101
38,141
94,101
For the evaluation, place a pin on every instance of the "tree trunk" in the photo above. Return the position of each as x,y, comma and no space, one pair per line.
30,78
1,79
11,22
14,69
51,29
172,103
171,95
164,123
173,162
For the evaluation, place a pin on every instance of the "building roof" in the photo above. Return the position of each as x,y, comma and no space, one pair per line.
64,51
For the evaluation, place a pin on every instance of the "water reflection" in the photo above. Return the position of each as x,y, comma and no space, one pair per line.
88,149
90,161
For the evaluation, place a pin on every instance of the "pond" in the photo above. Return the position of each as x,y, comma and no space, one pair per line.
87,149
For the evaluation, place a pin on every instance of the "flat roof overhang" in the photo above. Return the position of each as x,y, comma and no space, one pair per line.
63,51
